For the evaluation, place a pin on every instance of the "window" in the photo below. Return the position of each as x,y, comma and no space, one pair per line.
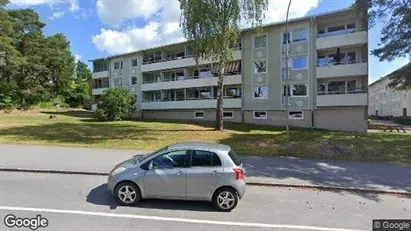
349,57
234,158
199,115
296,115
133,80
322,61
232,92
351,86
204,159
285,37
121,64
299,90
118,82
260,115
336,87
321,88
336,28
260,66
261,92
116,65
284,69
300,35
134,62
260,41
170,160
299,62
228,115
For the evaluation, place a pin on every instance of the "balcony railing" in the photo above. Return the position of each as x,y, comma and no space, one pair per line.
188,78
341,62
340,32
190,99
100,86
355,91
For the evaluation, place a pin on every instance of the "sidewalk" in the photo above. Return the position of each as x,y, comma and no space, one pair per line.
265,170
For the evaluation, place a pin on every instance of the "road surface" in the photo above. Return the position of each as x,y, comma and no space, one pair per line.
78,202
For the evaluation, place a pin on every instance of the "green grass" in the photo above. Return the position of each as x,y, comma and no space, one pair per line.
79,129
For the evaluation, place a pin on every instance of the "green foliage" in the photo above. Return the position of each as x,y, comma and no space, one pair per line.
115,104
82,71
212,29
395,40
76,93
35,67
406,120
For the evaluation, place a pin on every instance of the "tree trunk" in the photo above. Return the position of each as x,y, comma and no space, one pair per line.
219,111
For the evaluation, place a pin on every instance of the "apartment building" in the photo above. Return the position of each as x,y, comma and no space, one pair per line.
327,81
384,101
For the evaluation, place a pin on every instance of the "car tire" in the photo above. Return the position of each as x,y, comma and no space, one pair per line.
225,199
127,193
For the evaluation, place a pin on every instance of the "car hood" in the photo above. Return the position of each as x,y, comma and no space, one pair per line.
132,162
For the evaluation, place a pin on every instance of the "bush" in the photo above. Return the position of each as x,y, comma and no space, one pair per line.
377,117
58,101
115,104
406,120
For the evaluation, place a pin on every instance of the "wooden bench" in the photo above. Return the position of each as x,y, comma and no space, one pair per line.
394,127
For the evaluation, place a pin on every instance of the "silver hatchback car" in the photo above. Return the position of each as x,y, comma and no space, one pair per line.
182,171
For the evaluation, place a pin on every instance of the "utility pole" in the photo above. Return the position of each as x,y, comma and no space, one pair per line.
287,88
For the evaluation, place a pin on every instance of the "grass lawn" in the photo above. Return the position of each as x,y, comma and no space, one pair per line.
79,129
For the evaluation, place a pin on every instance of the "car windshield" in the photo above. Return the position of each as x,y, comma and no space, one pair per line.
148,155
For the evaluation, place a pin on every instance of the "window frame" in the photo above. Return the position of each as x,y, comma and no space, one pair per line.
131,80
300,29
120,80
299,56
296,118
231,117
265,85
260,118
185,164
292,93
195,117
254,66
131,63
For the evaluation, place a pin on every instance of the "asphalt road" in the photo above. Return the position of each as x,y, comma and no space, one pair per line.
73,202
276,170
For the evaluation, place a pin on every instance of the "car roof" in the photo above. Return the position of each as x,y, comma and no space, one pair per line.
200,145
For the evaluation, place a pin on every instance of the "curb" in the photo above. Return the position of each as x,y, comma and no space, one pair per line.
252,183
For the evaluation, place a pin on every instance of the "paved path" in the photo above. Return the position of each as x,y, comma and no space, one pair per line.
79,202
276,170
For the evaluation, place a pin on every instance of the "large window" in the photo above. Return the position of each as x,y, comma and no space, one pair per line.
118,82
336,87
299,62
299,90
133,80
260,41
134,62
204,159
300,35
260,92
170,160
260,66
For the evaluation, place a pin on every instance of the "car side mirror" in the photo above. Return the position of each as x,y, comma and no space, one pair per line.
150,165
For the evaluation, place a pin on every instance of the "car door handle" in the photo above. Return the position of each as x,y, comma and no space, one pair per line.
179,173
214,172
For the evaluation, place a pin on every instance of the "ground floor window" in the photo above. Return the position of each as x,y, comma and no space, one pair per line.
296,115
228,115
199,115
260,114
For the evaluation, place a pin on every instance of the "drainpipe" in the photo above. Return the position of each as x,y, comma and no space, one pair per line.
242,79
313,71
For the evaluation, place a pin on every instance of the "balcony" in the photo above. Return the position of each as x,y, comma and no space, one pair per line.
354,98
100,74
191,104
188,82
342,38
98,91
344,69
179,62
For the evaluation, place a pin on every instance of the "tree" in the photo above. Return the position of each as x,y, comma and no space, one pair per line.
115,104
82,71
395,40
212,29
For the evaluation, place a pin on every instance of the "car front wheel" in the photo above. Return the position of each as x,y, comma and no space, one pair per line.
127,193
225,199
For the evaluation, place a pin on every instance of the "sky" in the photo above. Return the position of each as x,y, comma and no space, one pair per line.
99,28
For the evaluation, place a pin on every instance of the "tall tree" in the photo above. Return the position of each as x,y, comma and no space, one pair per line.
77,91
82,71
60,63
212,28
395,40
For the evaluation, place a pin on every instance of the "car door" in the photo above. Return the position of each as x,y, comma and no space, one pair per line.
167,178
203,174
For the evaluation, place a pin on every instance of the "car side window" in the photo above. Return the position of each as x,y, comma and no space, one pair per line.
174,159
204,159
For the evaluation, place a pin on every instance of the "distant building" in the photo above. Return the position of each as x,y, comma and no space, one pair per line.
384,101
328,75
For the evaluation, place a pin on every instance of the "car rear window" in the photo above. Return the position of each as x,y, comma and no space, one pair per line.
234,158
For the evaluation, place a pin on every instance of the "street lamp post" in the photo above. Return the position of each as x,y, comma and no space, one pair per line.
287,88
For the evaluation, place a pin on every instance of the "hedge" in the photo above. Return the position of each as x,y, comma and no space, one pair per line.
406,120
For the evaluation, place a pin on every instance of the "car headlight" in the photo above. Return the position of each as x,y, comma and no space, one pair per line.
117,171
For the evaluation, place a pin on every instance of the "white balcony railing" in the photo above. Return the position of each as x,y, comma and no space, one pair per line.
342,69
357,99
100,74
343,38
191,103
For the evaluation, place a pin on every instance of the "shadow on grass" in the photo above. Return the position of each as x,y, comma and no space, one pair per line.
73,113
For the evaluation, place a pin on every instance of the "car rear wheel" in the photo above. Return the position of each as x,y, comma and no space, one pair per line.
127,193
225,199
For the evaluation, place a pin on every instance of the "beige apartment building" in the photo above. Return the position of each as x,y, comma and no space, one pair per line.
328,76
384,101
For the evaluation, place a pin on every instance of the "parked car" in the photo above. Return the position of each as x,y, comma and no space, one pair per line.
181,171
